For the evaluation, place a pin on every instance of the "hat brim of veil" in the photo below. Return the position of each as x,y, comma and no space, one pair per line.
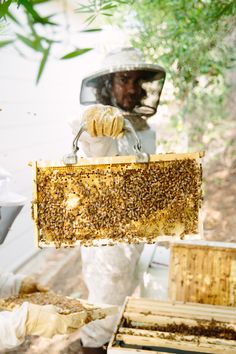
91,80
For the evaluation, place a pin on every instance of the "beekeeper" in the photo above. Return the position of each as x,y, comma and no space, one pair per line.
28,319
128,88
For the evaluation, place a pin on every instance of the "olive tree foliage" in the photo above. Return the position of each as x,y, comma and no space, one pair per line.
24,26
23,22
195,41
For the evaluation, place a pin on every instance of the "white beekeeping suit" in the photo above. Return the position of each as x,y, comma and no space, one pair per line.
110,272
12,329
12,324
28,319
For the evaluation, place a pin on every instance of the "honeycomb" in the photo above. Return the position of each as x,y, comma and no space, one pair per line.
113,203
64,305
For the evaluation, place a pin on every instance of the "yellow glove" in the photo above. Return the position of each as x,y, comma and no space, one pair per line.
45,321
30,285
103,121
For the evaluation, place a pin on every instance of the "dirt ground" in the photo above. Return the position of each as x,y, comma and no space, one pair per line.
219,225
220,203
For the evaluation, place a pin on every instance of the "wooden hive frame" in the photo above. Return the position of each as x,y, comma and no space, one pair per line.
116,214
147,325
203,272
66,306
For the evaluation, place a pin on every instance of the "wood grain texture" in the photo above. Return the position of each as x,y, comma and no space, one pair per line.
208,276
151,324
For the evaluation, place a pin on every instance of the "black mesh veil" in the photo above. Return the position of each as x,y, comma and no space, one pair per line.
99,87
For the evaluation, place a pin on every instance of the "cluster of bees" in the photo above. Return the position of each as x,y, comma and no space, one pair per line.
204,328
109,204
64,305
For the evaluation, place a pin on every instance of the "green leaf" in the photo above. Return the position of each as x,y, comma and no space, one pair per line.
108,7
46,20
43,63
92,30
85,8
90,19
4,7
30,8
5,43
106,14
75,53
37,2
25,40
37,18
33,44
13,18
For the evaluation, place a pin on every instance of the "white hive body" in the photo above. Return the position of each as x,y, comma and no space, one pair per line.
153,326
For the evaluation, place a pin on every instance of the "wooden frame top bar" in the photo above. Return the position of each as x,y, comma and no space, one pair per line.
85,161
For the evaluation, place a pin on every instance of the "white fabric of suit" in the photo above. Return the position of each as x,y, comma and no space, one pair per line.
110,272
12,324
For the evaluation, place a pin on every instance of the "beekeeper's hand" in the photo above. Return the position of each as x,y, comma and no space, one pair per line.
103,120
45,321
30,285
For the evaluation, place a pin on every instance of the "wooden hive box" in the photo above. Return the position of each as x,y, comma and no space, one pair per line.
152,326
203,272
105,201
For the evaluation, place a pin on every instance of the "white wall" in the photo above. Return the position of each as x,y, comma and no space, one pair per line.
33,125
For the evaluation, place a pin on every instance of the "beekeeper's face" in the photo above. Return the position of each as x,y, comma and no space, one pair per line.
126,89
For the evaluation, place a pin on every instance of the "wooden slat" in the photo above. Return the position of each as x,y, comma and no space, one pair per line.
144,341
182,309
179,307
183,285
103,242
165,320
119,350
153,302
120,159
119,323
35,205
232,291
184,313
201,340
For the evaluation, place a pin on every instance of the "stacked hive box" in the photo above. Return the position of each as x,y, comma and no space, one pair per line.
203,272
